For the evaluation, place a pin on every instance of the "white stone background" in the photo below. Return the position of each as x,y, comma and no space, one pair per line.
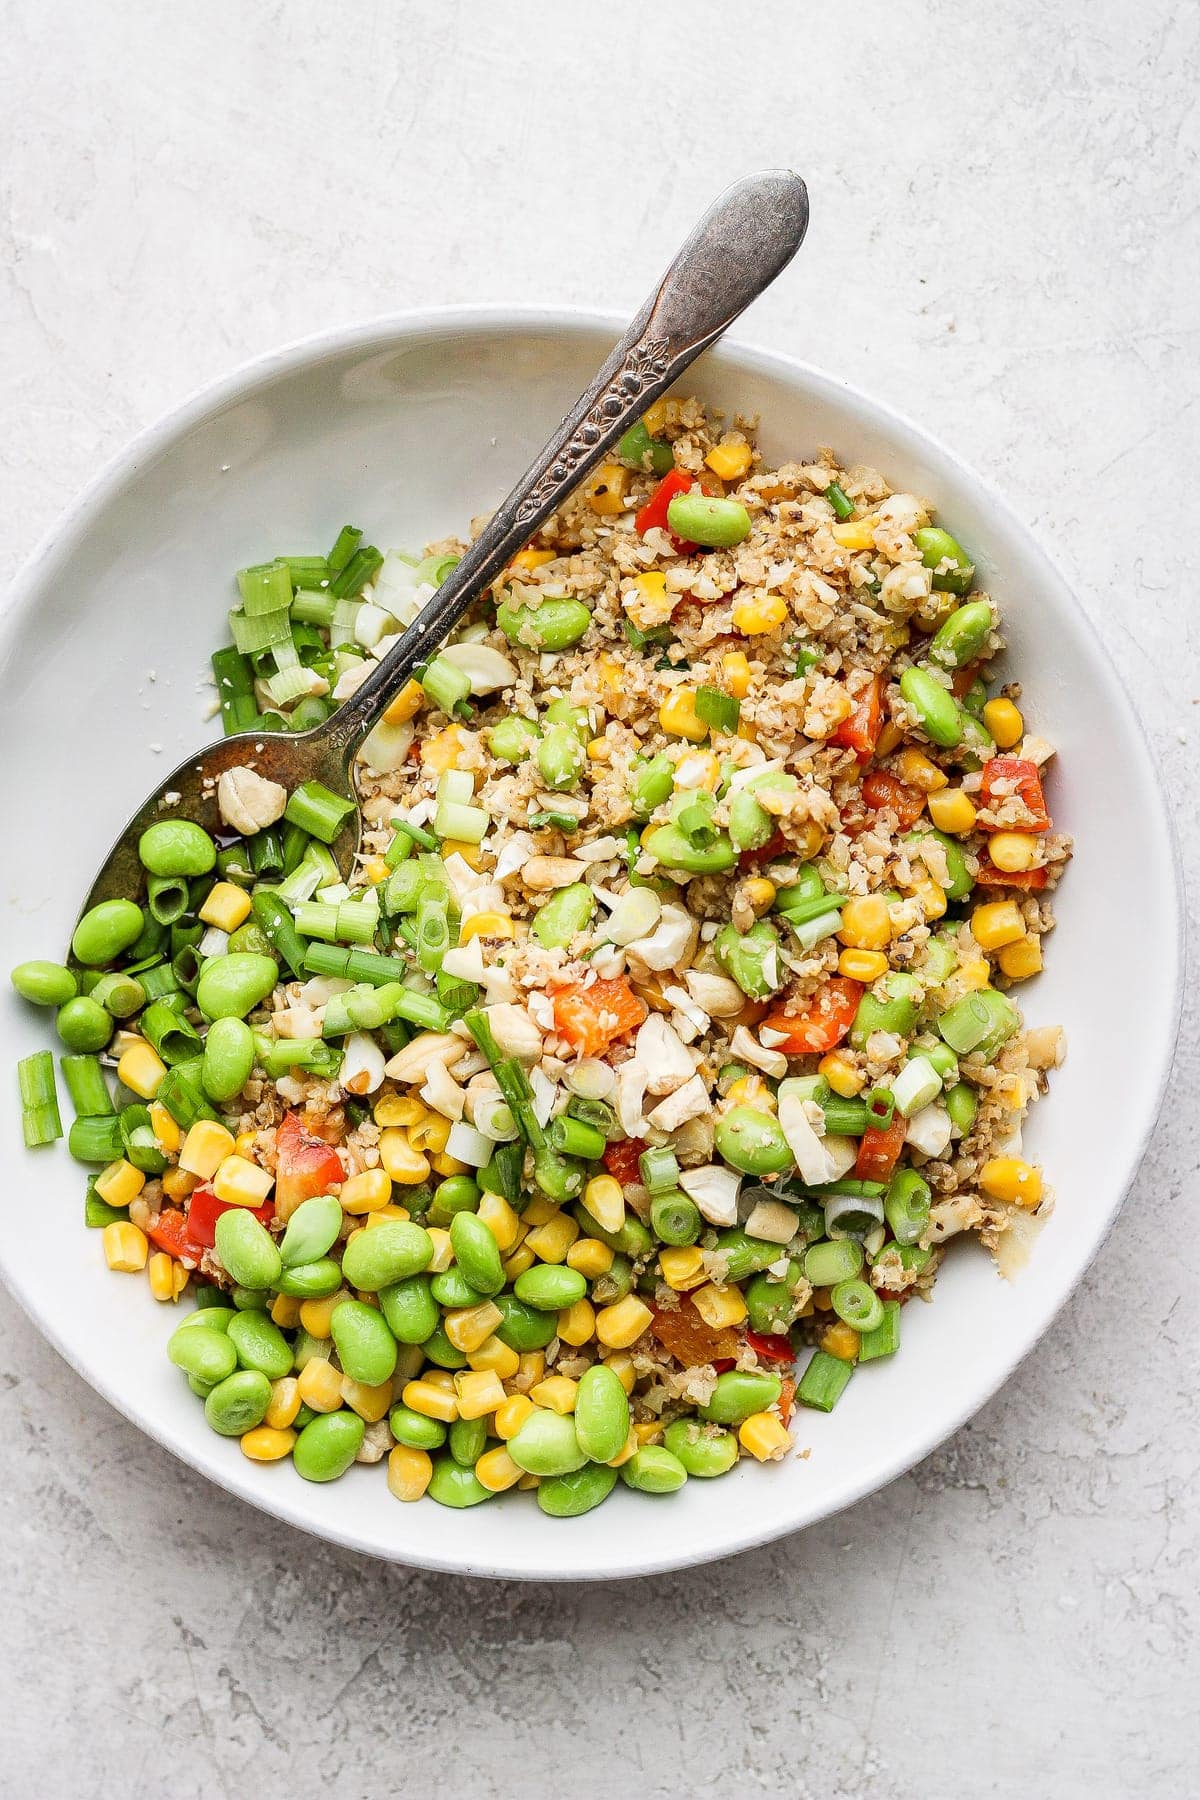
1005,245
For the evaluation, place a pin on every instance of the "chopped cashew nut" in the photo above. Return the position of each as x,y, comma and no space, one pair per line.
248,802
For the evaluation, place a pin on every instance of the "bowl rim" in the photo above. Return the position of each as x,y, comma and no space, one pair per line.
499,318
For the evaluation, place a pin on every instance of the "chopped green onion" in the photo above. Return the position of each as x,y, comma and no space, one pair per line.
96,1140
573,1137
446,684
168,1032
119,994
824,1381
318,811
97,1213
416,834
310,608
266,631
310,1054
660,1169
840,501
433,931
86,1085
885,1339
348,540
350,922
183,1096
352,965
713,707
235,689
276,924
660,634
807,658
553,821
40,1120
361,568
265,588
142,1148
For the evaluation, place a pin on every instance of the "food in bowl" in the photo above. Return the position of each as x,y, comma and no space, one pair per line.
664,1032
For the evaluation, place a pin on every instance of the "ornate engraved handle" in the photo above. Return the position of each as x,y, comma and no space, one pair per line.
747,238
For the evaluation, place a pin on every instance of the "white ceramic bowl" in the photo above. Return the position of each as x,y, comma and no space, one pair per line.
409,427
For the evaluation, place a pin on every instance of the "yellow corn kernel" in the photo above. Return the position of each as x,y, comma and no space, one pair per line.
655,417
698,769
972,975
605,1200
929,896
765,1437
556,1392
677,716
863,965
889,739
577,1324
167,1134
284,1404
736,672
866,924
442,1163
759,613
760,893
167,1277
751,1090
682,1268
1005,723
648,1432
1013,851
599,750
996,924
500,1219
431,1400
485,925
500,1358
119,1184
443,1250
719,1306
177,1184
142,1070
441,751
855,534
952,811
550,1242
623,1323
496,1470
517,1261
369,1402
840,1340
241,1183
399,1109
512,1415
470,853
205,1148
320,1385
406,705
245,1142
822,1299
590,1257
1008,1178
533,1367
1021,960
540,1211
409,1472
266,1444
366,1192
479,1392
316,1315
730,459
914,767
532,559
226,906
629,1448
125,1247
605,490
470,1326
375,869
385,1215
621,1364
528,1482
401,1162
431,1134
841,1075
285,1311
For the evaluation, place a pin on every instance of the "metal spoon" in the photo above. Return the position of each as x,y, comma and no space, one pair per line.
743,242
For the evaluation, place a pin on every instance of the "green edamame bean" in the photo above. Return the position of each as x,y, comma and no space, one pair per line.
550,1287
560,758
615,1283
328,1445
305,1346
753,1142
249,1299
962,1105
956,862
476,1252
452,1485
247,1250
467,1441
938,713
975,699
963,635
771,1305
601,1413
366,1348
208,1318
567,912
650,784
750,824
44,983
653,1470
202,1389
579,718
751,958
410,1309
567,1496
176,847
746,1255
239,1403
250,937
705,519
633,1239
555,624
740,1392
438,1349
228,1058
512,739
83,1025
105,930
375,1259
415,1430
524,1327
547,1444
457,1193
668,846
894,1009
451,1288
937,546
231,986
653,456
260,1344
311,1231
311,1281
200,1351
704,1450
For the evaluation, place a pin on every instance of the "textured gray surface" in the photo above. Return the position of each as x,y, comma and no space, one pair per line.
1005,243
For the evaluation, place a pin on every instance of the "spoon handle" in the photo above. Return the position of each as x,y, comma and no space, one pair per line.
747,238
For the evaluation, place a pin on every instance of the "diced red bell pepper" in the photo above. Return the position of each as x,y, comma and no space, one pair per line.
172,1233
592,1018
721,1363
860,732
1014,772
204,1209
771,1348
776,846
304,1165
825,1022
654,513
879,1151
991,876
621,1160
882,790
